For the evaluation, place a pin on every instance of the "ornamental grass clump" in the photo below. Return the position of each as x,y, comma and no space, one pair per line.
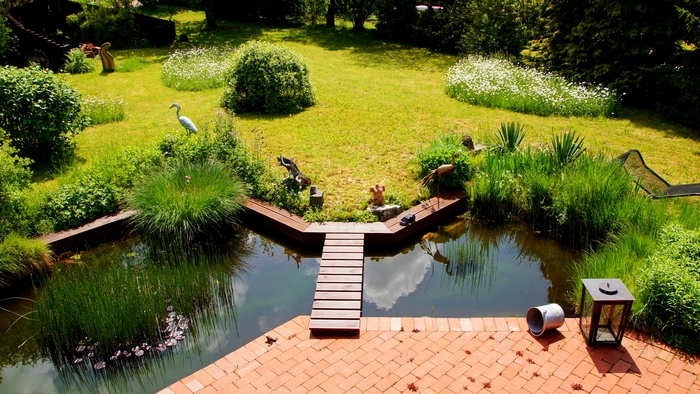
186,202
20,257
103,110
197,68
494,82
268,78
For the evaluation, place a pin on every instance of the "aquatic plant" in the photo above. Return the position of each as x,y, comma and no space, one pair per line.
495,82
186,202
20,257
509,137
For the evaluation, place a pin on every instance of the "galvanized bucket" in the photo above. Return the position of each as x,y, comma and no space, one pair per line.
543,318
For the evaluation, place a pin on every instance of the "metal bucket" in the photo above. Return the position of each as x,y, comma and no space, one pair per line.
545,317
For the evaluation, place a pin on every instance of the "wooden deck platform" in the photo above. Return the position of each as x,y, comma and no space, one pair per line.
338,299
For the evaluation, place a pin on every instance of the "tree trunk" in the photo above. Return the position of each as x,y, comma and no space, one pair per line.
330,16
210,13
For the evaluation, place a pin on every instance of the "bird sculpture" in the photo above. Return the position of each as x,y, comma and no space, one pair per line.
439,172
184,120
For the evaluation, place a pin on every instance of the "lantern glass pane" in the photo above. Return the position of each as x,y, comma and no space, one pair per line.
609,324
586,313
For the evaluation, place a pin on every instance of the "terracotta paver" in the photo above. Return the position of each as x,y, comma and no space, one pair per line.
447,356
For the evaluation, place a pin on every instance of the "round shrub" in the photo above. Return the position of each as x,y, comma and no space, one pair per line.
185,202
40,113
77,62
439,152
268,78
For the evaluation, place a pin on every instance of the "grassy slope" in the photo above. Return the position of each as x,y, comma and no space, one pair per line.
377,103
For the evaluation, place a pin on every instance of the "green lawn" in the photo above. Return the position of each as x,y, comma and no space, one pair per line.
377,103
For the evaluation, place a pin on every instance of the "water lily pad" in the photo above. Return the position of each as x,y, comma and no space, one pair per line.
171,342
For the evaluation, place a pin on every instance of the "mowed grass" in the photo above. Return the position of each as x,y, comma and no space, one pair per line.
378,102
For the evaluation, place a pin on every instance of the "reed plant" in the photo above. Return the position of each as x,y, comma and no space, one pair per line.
103,110
197,68
186,202
498,83
21,257
122,297
566,148
471,261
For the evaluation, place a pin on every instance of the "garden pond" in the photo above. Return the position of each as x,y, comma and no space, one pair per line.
508,269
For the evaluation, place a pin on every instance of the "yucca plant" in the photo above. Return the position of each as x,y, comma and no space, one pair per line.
509,137
567,148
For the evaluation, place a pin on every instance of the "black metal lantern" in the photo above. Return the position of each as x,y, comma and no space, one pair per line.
605,311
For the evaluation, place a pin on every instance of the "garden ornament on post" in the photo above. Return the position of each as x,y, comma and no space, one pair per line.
377,194
440,171
294,172
106,58
184,120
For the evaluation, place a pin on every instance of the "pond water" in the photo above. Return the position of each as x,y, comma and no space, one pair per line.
517,269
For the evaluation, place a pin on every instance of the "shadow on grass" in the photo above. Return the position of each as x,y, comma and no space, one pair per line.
650,119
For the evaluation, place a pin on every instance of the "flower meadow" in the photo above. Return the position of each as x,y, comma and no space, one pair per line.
103,110
494,82
197,68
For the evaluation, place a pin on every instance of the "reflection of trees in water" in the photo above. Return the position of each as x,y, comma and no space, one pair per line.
469,249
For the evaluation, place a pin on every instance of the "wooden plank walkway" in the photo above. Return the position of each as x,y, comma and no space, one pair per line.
338,299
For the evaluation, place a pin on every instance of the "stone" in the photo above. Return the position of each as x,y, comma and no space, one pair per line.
385,212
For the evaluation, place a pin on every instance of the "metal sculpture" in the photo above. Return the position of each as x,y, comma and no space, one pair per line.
106,58
439,172
184,120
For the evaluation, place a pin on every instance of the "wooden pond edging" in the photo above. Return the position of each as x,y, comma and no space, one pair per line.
337,302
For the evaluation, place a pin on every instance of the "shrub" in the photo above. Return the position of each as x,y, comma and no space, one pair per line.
21,257
267,78
494,82
105,23
197,68
15,176
101,110
186,202
41,112
439,152
669,288
77,62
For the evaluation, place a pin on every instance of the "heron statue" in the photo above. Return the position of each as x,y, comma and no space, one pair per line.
184,120
439,172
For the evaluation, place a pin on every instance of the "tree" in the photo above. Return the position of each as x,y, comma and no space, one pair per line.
358,11
210,13
330,15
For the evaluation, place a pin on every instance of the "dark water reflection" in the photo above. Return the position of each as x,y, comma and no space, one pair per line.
525,270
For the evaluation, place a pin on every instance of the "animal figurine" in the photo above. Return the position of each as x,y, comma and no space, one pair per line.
439,172
184,120
106,58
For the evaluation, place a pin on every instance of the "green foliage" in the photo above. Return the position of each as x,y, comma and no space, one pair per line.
566,149
268,78
496,82
197,68
101,110
186,202
469,27
77,62
105,22
509,137
357,11
311,12
131,63
41,113
15,176
439,152
5,36
122,297
21,257
669,288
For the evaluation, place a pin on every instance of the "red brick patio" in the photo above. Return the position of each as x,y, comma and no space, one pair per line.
431,355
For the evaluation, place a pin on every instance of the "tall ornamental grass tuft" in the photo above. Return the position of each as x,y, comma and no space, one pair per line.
77,62
103,110
21,257
197,68
509,137
567,148
186,202
498,83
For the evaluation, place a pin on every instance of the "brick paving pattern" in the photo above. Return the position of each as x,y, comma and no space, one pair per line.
444,355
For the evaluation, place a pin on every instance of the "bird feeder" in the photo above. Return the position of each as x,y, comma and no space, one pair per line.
605,311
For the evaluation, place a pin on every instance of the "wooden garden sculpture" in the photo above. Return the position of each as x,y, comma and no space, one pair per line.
294,172
107,59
